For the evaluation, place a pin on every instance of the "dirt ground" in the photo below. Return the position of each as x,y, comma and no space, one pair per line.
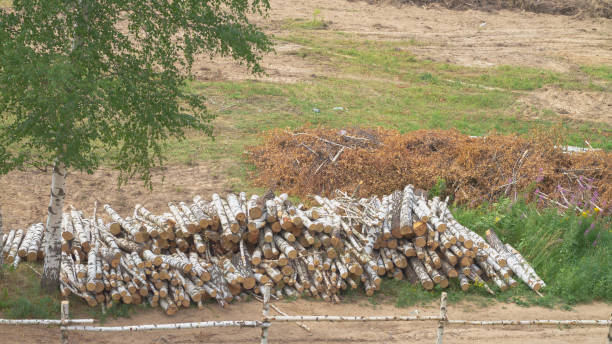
379,332
24,196
468,38
555,42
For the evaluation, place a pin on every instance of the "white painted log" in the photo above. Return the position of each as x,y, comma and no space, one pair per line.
531,322
442,322
176,326
65,315
44,321
265,312
341,318
610,331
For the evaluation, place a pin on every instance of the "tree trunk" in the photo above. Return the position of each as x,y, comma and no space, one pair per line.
1,250
51,270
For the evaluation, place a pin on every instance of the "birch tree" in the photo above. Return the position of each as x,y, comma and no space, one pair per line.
1,252
82,81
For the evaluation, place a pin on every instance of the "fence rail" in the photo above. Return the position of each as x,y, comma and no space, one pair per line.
67,325
44,321
175,326
340,318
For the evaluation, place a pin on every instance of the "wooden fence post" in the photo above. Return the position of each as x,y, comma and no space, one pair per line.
610,331
65,313
442,321
265,312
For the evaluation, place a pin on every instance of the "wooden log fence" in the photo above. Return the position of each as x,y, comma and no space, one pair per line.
67,324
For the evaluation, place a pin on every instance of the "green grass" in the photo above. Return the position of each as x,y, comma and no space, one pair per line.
316,23
573,254
575,267
21,297
599,72
379,83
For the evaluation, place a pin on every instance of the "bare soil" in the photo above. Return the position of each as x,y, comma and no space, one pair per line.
24,196
469,38
593,106
591,8
560,43
372,332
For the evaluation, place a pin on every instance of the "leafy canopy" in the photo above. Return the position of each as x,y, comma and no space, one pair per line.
79,77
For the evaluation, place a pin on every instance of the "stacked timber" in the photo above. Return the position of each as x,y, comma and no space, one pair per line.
228,247
18,245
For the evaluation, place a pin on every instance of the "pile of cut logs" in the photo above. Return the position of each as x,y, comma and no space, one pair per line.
227,248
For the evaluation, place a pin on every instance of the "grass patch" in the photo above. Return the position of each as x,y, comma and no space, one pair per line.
573,254
21,297
350,53
601,72
379,83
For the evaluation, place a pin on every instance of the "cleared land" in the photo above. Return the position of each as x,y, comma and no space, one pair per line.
404,68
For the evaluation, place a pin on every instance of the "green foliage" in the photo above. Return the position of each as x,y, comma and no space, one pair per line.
22,298
78,78
315,24
573,254
439,189
118,310
602,72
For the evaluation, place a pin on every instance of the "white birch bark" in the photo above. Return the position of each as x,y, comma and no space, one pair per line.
444,318
53,246
1,248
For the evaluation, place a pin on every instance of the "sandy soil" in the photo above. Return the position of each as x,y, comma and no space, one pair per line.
380,332
554,42
591,106
559,43
24,196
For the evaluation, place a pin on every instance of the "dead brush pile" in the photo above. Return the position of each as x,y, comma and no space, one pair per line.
469,169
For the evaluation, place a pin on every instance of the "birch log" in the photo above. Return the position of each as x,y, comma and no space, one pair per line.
214,250
513,262
12,253
35,241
